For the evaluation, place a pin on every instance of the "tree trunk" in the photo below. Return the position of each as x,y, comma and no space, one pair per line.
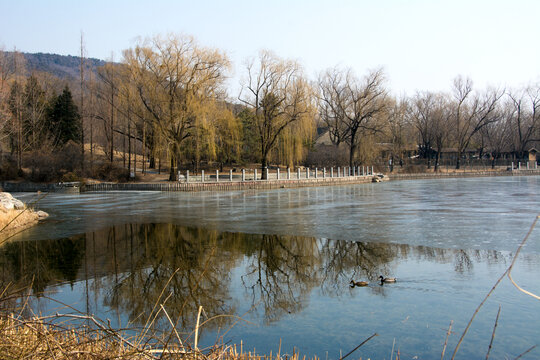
129,145
352,150
264,165
172,175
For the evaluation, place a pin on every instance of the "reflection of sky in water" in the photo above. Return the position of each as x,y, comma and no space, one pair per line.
483,214
434,286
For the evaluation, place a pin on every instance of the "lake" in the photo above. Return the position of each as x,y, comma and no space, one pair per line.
280,261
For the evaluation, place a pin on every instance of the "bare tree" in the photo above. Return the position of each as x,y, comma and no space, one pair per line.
421,116
82,109
108,95
279,98
398,126
498,136
441,116
351,108
525,117
471,112
35,106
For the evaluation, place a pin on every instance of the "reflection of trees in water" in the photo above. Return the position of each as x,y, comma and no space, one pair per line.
136,266
177,266
343,261
462,262
281,274
41,263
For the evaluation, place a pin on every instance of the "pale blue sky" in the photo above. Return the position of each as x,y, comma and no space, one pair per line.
422,45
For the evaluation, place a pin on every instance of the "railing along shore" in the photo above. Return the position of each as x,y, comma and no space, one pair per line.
252,180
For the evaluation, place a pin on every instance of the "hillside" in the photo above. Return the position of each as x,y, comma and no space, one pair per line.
62,66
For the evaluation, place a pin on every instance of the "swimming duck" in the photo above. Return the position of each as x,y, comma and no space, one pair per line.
358,283
388,279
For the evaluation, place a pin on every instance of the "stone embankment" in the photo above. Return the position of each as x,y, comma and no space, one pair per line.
229,185
463,174
15,216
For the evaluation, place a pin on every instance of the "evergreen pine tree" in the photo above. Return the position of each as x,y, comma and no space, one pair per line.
64,120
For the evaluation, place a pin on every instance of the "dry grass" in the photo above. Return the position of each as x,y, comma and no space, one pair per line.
14,221
84,337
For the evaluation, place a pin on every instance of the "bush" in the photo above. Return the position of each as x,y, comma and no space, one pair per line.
8,169
50,165
71,177
110,172
327,156
414,169
69,157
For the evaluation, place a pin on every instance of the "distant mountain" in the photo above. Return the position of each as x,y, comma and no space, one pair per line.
62,66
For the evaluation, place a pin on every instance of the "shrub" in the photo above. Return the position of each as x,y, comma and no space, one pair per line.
8,169
110,172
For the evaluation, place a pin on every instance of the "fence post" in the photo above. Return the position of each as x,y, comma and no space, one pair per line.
202,175
338,171
277,173
254,174
354,171
288,173
298,173
307,173
217,175
316,173
187,176
519,165
230,175
266,171
324,172
243,174
332,172
372,170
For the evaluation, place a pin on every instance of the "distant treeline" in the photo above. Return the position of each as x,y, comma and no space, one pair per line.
165,104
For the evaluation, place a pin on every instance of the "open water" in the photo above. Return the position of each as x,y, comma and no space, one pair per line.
280,261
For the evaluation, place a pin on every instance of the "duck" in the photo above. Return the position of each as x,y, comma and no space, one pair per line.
358,283
387,280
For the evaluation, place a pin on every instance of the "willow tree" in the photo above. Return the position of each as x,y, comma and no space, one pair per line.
175,79
279,98
217,137
351,108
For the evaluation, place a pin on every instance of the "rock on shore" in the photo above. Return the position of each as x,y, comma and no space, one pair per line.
15,216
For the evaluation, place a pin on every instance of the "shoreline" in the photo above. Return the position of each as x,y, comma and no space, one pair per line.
225,185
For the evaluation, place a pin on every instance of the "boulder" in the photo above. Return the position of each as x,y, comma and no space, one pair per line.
42,214
18,204
6,201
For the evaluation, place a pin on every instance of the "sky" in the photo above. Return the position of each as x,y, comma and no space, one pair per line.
422,45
